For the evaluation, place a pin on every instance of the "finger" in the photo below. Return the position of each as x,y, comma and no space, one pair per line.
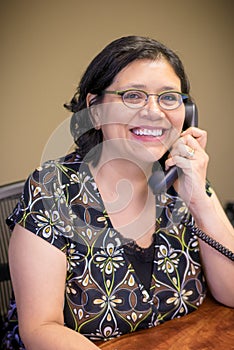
182,149
199,134
193,142
186,159
179,161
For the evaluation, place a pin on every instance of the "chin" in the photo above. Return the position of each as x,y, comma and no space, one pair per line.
149,155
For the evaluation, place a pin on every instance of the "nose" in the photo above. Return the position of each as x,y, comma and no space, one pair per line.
153,106
152,102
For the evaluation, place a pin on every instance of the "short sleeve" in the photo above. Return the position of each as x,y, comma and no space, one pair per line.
43,208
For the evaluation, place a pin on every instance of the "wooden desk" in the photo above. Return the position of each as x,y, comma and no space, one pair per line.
210,327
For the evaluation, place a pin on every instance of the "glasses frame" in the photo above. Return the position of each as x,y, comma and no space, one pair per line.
122,92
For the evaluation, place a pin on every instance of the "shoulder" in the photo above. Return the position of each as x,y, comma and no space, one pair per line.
49,187
62,172
66,165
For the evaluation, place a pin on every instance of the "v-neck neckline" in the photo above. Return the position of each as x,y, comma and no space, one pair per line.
105,213
129,244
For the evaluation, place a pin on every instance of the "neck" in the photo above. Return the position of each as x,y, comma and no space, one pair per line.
117,170
129,202
122,166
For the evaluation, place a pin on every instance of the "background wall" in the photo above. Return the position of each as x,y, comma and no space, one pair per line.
46,45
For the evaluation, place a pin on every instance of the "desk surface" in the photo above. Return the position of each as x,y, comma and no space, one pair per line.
209,327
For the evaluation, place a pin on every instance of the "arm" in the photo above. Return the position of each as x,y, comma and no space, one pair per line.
38,272
219,270
207,212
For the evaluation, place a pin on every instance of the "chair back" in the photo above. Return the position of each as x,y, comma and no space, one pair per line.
9,196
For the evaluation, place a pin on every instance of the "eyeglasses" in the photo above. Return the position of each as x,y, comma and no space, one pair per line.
138,98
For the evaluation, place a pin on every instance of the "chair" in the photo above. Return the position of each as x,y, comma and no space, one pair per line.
9,196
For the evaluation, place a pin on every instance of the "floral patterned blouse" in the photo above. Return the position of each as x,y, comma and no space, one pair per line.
104,297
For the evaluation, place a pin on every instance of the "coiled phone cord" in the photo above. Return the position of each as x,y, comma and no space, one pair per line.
210,241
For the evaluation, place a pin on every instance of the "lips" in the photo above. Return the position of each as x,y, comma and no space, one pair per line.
157,132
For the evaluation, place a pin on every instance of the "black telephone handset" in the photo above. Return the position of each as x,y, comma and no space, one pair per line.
160,181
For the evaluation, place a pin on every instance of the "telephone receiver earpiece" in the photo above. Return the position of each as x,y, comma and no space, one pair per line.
161,181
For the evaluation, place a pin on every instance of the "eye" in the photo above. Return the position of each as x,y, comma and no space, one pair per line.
169,98
134,96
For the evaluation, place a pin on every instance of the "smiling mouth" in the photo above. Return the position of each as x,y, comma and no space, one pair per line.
147,132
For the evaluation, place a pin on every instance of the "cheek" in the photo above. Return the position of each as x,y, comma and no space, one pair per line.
108,131
113,131
177,118
114,116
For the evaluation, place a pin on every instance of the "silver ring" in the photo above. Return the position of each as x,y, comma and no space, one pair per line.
190,152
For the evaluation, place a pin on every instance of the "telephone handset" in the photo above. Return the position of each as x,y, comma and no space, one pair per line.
160,181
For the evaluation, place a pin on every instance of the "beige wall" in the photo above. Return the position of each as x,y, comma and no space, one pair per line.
46,45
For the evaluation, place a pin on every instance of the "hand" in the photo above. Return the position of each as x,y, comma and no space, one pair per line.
188,153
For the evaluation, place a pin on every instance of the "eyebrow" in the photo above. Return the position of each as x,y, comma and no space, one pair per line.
142,87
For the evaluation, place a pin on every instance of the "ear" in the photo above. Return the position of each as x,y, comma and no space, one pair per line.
93,111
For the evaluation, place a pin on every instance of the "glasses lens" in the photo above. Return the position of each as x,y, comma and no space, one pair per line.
134,99
170,100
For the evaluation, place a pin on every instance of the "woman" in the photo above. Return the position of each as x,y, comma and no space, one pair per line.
127,260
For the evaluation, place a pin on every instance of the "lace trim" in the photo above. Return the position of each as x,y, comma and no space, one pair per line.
144,254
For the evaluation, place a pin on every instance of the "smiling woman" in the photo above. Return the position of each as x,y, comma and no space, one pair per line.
89,224
155,123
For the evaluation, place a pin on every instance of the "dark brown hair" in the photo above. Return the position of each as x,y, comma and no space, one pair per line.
100,74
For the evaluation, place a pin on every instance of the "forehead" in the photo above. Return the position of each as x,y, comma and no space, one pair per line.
146,72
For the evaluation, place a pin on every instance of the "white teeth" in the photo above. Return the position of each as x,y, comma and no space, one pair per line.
148,132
